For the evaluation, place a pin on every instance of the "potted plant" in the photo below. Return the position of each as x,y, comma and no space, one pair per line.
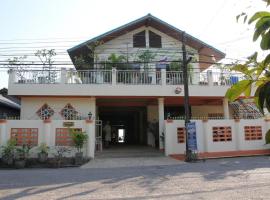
8,152
57,162
43,153
21,156
79,138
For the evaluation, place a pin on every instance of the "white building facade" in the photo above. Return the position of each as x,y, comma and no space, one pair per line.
140,91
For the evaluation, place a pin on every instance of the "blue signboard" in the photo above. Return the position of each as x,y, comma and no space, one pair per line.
192,138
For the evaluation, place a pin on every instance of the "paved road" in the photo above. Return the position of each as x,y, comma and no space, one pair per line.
237,178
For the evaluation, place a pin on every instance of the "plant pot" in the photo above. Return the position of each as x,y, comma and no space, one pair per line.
79,158
7,160
19,164
42,157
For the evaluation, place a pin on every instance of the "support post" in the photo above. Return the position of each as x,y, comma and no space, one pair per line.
91,130
186,95
161,122
226,108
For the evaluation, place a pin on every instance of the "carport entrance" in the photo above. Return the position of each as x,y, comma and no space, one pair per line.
128,125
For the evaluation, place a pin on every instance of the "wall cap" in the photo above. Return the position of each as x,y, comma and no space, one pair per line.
88,121
47,121
2,121
169,120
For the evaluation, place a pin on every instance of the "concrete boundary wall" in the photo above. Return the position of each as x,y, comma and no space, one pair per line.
47,131
207,147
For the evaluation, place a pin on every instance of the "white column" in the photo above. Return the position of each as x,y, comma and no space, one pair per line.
161,120
210,78
238,134
205,135
3,132
47,136
91,130
11,78
226,108
114,72
163,76
63,75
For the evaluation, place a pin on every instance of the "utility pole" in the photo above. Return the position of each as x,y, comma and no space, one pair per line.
186,94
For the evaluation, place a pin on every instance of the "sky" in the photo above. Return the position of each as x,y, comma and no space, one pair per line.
61,24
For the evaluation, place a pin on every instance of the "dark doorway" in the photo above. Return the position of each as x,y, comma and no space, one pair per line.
132,121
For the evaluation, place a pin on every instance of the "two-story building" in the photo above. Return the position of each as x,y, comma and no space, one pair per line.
132,77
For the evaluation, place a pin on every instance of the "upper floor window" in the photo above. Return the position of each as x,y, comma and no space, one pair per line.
139,39
154,40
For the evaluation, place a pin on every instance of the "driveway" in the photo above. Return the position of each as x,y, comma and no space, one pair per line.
235,178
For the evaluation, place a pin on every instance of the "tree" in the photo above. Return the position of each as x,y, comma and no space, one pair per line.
18,64
257,73
46,58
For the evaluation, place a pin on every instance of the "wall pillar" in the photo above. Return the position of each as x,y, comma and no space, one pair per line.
3,132
237,133
47,136
226,108
161,121
205,135
91,130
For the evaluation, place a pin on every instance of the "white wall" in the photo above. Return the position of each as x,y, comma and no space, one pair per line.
205,136
123,45
47,131
203,111
30,105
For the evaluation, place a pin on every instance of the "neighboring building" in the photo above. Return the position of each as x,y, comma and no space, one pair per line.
131,76
9,105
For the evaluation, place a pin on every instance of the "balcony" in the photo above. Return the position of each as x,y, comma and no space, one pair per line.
118,82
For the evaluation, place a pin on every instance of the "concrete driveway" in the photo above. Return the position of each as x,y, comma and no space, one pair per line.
236,178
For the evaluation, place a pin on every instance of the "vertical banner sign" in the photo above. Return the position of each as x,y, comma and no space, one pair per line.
192,138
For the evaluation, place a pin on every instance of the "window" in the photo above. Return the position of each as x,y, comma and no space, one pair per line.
181,135
253,132
25,136
154,40
45,112
63,136
139,39
69,112
222,133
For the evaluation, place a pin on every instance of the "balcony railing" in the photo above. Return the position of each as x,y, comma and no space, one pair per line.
37,76
89,77
138,77
126,77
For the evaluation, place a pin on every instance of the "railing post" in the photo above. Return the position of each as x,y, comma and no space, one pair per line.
114,72
11,78
163,76
63,75
210,78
